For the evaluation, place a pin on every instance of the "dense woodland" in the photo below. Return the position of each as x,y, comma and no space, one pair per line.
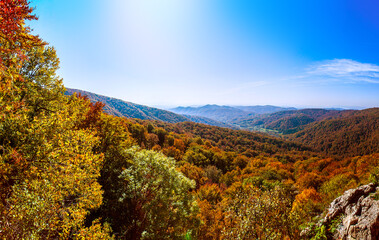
68,170
354,133
287,122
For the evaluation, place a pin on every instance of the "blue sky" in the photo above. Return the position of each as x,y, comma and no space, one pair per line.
314,53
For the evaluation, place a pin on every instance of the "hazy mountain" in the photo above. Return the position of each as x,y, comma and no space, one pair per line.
122,108
308,122
262,109
229,114
224,114
204,120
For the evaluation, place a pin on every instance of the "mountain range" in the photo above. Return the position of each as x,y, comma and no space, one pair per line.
220,116
228,114
122,108
325,130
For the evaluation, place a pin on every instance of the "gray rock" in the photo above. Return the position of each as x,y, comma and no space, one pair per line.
359,212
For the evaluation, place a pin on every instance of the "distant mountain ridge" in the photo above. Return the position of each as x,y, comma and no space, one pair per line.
208,121
337,132
122,108
228,114
262,109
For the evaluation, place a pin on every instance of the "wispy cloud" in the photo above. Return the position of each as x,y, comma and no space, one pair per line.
344,70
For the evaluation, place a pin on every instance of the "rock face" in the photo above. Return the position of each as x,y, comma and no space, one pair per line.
359,212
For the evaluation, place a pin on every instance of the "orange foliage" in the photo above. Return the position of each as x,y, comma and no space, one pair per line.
17,37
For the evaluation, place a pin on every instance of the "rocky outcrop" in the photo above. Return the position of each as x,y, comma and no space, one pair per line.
355,214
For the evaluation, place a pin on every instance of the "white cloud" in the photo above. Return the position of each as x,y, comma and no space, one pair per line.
345,70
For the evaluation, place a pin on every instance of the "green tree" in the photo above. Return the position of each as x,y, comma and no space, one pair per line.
256,214
158,197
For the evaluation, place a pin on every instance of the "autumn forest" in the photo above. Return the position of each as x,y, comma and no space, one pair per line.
69,170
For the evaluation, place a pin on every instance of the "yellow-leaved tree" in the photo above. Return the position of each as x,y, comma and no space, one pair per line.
48,170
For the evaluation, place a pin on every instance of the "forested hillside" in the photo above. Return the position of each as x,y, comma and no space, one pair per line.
121,108
354,133
69,170
287,122
231,140
228,172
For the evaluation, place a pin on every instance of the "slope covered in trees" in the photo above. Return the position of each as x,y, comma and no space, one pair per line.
121,108
355,133
232,140
287,122
68,170
301,183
